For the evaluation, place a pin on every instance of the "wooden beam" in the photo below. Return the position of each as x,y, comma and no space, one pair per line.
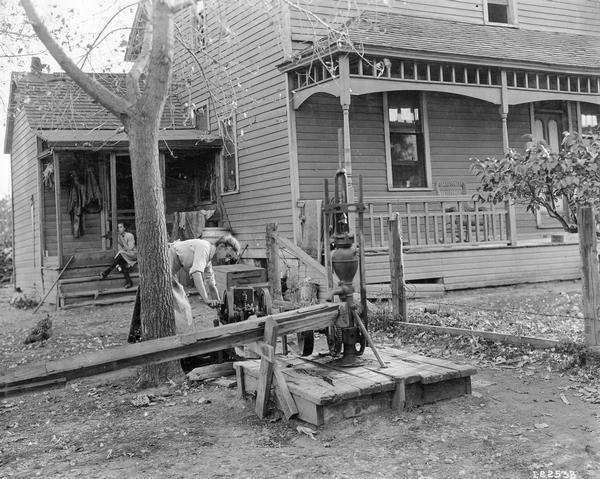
166,349
506,338
265,375
299,253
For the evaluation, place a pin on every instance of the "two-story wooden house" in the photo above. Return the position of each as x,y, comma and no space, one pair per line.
402,94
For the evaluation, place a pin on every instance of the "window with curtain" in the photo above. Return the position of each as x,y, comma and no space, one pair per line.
406,155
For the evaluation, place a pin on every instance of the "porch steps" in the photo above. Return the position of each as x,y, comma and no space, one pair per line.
91,290
101,302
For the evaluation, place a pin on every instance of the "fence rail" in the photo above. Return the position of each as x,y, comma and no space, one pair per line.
435,222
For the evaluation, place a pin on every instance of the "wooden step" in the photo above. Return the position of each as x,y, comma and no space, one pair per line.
101,302
94,283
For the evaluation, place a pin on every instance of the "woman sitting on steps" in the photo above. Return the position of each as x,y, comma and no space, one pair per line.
126,257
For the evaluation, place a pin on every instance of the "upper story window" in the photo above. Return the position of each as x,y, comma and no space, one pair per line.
198,30
201,119
503,12
406,141
229,158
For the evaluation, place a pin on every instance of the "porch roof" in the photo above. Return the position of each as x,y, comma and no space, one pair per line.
412,37
117,139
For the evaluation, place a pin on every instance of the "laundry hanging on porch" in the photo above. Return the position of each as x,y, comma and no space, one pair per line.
93,194
84,197
189,224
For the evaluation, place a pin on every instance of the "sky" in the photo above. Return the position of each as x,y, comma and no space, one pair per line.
76,23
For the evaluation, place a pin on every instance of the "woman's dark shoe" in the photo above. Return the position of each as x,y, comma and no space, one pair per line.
128,284
103,275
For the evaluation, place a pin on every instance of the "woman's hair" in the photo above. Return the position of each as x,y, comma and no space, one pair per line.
230,241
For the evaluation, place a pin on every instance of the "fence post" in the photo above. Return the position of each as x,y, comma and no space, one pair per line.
511,223
272,251
590,278
399,306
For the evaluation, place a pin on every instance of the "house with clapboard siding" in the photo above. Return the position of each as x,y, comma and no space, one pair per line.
277,97
401,95
71,185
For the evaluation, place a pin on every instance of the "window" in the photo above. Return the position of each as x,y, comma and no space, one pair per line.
589,119
406,142
229,161
201,119
500,11
198,28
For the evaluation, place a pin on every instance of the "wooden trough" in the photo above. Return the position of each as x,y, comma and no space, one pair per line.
323,392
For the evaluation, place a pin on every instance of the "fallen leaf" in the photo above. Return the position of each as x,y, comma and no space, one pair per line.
141,400
564,399
308,431
541,425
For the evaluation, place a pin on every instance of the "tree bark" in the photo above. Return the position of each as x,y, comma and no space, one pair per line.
140,113
156,294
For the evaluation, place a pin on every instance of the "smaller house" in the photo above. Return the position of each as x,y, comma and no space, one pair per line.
71,183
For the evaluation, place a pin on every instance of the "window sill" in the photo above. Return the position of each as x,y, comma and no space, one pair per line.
497,24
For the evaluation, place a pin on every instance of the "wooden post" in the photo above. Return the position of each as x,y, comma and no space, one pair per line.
58,208
265,378
590,278
273,261
399,305
511,223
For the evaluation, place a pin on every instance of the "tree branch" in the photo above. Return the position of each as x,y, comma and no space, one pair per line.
112,102
141,62
159,72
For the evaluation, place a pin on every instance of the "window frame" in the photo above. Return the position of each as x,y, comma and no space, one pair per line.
511,14
223,131
198,27
202,106
425,138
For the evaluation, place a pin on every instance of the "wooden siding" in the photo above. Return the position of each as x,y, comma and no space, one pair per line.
244,75
24,171
568,16
459,128
479,267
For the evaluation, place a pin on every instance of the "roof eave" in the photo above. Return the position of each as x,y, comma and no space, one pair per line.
424,55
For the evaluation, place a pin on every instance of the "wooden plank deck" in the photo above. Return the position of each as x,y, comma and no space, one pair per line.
325,392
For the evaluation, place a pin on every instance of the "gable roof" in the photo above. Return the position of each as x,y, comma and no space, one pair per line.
53,101
461,41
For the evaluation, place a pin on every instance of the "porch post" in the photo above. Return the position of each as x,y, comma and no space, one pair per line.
511,218
58,208
345,100
113,197
504,112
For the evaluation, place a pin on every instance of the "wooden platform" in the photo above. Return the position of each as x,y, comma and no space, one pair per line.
324,392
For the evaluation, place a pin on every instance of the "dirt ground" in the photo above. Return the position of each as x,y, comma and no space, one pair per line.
531,414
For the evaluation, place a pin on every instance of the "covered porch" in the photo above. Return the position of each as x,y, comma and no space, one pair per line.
86,190
407,113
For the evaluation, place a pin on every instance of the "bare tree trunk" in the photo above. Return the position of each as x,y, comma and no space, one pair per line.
155,276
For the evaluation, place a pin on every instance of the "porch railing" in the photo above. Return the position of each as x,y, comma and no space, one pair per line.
436,222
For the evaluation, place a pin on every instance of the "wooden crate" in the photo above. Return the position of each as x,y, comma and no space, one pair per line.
238,275
324,392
